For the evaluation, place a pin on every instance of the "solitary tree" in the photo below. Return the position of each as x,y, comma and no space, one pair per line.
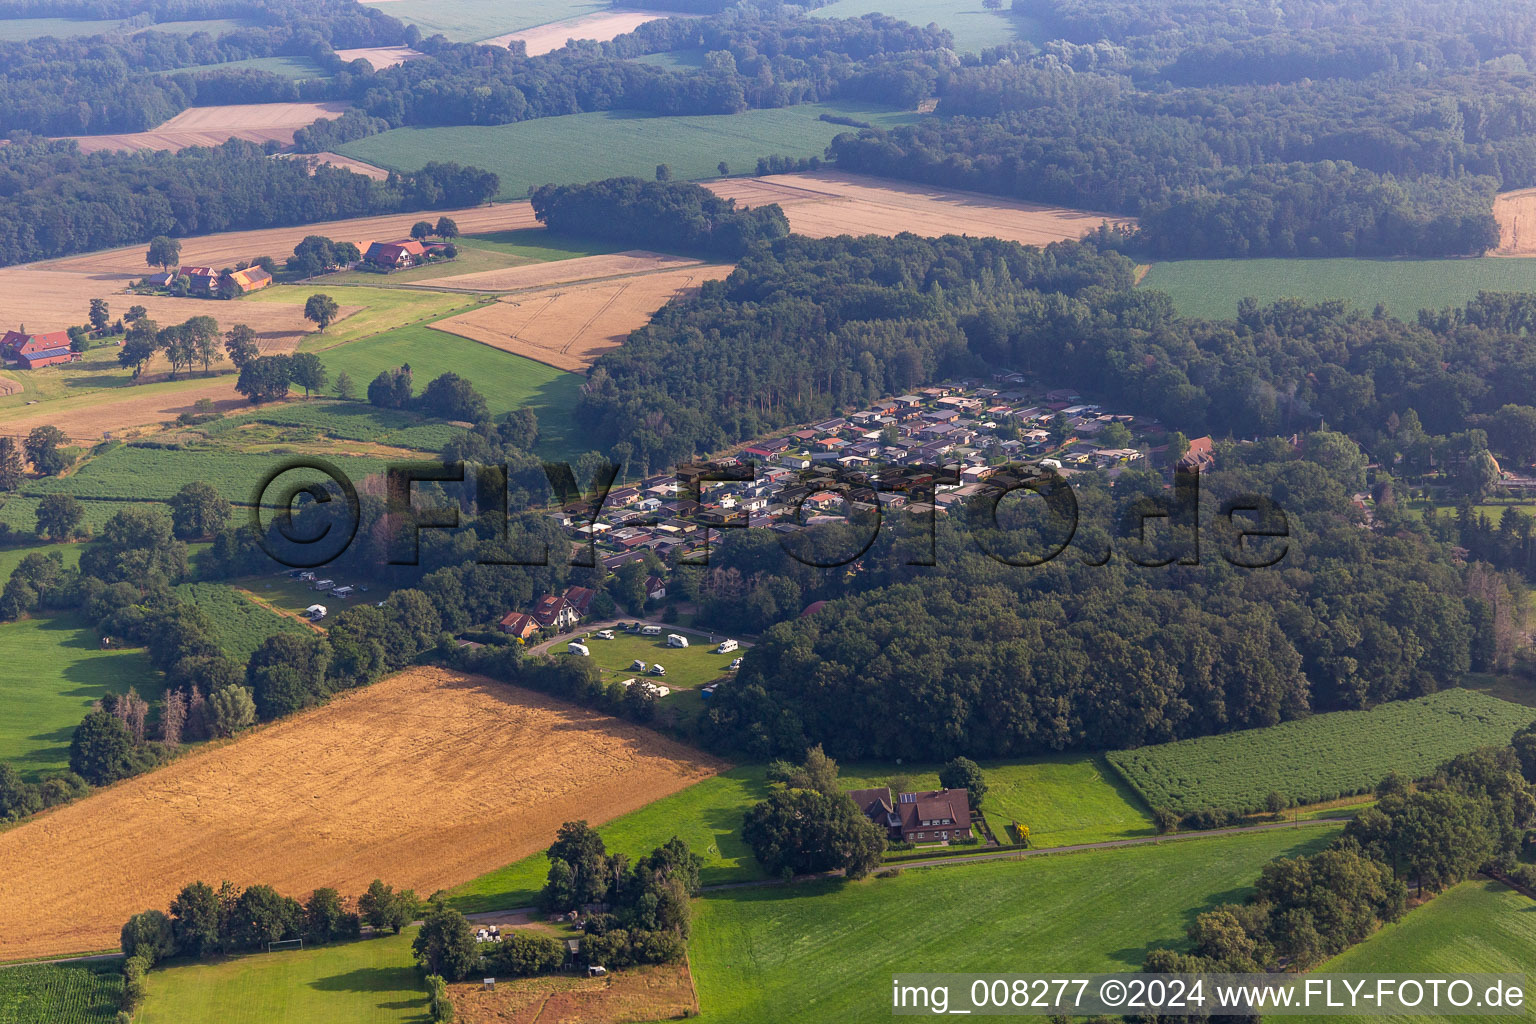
12,466
723,167
101,750
963,773
232,709
322,309
135,314
164,252
99,315
59,516
43,452
663,172
445,945
179,347
240,343
198,510
344,388
202,334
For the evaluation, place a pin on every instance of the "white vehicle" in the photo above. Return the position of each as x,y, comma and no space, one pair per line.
657,691
605,634
735,663
1051,463
315,612
580,649
637,665
627,683
657,670
342,592
322,584
676,640
650,631
726,647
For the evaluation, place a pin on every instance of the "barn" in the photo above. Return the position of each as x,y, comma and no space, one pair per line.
29,351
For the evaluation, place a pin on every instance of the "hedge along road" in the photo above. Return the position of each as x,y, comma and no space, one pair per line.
937,862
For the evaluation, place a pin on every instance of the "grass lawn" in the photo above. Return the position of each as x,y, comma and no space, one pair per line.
586,147
296,68
20,513
1478,927
302,422
55,669
687,667
1212,288
974,27
61,993
690,59
507,381
10,558
829,949
239,625
1515,689
291,595
707,815
468,21
1064,800
97,369
370,981
383,309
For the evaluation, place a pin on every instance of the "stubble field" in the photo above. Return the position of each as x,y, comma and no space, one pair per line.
569,326
1516,213
540,275
210,126
825,203
427,778
601,26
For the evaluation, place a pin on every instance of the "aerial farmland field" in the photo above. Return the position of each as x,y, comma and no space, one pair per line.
467,21
209,126
239,626
1213,288
60,993
427,778
974,28
584,147
1319,758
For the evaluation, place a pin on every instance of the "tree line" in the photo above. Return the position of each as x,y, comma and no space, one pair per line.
676,216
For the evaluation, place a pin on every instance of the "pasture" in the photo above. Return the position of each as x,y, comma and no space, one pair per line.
337,420
973,27
426,778
507,381
19,512
470,21
1212,288
1479,927
756,951
55,670
11,557
1323,757
585,147
477,255
370,310
823,203
687,667
60,993
16,30
568,326
239,625
210,126
296,68
368,981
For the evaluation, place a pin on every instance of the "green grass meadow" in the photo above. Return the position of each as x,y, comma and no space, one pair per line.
687,667
828,949
468,21
1478,927
296,68
507,381
1318,758
586,147
336,420
1213,288
55,670
10,558
239,625
60,993
369,981
974,27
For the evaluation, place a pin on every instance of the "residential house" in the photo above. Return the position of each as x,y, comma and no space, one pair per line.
930,816
29,351
202,281
553,611
407,252
580,598
655,588
1201,455
519,624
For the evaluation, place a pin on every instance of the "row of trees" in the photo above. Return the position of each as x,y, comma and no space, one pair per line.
659,214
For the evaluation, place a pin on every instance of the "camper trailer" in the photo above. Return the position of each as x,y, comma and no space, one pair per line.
580,649
322,584
315,612
605,634
657,670
342,592
676,640
650,631
726,647
637,665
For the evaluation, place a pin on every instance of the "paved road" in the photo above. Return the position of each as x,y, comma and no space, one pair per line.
936,862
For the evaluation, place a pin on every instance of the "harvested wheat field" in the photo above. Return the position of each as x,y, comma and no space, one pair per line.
88,418
227,247
1516,214
602,27
209,126
662,992
427,778
567,327
345,163
543,275
824,203
381,57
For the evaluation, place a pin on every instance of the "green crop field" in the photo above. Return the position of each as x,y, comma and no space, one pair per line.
20,513
16,30
828,949
353,421
1063,800
973,27
60,993
382,308
55,670
468,21
239,625
1478,927
687,667
1319,758
507,381
130,473
706,815
584,147
369,981
296,68
1212,288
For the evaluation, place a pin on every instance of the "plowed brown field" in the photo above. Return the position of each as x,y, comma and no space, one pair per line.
209,126
540,275
426,779
568,326
823,203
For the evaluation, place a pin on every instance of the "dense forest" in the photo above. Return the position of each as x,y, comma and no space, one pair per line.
676,216
55,201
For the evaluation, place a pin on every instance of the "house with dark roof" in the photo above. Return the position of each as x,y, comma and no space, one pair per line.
554,611
929,816
518,624
29,351
407,252
251,279
580,598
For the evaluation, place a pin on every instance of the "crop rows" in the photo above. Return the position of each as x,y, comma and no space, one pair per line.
352,421
60,994
240,626
1319,758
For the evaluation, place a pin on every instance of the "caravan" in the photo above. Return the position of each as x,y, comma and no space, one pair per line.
676,640
650,631
726,647
578,648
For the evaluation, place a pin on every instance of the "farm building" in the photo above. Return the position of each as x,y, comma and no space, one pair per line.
29,351
251,279
202,281
396,255
931,816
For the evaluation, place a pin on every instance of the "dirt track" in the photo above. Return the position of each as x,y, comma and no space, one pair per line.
568,326
425,779
209,126
824,203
